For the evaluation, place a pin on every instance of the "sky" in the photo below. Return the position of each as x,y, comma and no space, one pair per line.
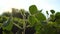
6,5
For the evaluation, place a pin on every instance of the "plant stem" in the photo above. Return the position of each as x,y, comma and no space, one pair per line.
24,24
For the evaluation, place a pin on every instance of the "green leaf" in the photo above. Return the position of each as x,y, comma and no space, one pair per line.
32,20
52,17
7,25
33,9
57,15
57,18
37,27
47,13
52,11
40,16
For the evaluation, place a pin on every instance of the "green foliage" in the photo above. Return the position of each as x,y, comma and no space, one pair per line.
57,15
40,16
38,28
3,18
33,9
57,18
22,11
32,20
47,13
7,14
52,11
52,17
35,19
7,25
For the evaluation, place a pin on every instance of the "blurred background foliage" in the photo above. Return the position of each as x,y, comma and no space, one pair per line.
32,22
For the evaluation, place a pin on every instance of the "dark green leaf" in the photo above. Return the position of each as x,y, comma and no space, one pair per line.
33,9
8,25
52,11
47,13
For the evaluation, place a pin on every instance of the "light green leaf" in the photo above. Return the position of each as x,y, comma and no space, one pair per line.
40,16
32,20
